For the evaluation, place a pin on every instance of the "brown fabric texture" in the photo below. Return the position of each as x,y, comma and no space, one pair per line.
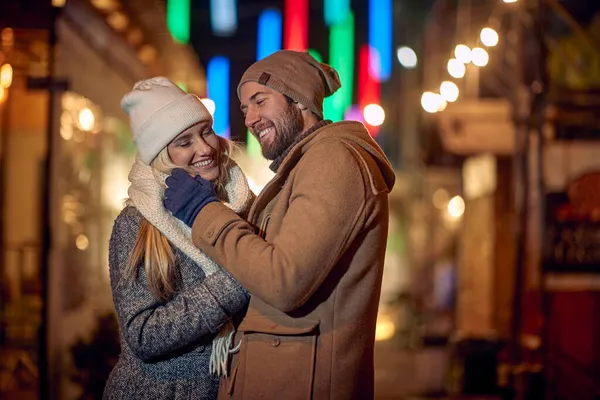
314,269
297,75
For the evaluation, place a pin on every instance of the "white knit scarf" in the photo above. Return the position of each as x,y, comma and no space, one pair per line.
146,192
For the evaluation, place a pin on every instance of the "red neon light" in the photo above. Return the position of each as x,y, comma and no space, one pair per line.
368,87
295,29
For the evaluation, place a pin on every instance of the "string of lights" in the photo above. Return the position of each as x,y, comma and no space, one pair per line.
449,92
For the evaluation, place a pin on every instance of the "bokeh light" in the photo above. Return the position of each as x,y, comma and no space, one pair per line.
407,57
431,102
462,53
87,120
456,69
489,37
209,104
456,207
374,114
449,91
480,57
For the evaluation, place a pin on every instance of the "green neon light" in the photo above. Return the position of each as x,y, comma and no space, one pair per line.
182,86
178,20
316,55
252,146
341,57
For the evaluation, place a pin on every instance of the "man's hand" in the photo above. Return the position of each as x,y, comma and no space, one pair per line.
185,196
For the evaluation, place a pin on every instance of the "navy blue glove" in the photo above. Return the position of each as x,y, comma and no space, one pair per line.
185,196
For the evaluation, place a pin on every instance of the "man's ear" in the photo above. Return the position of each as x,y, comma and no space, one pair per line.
301,107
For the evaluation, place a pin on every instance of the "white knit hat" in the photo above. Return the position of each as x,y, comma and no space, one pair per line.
159,111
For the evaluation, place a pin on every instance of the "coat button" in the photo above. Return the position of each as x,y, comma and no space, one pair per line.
210,233
276,342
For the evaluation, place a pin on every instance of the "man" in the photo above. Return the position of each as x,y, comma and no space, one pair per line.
312,250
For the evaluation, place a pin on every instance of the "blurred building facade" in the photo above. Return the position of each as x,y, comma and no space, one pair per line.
66,152
525,127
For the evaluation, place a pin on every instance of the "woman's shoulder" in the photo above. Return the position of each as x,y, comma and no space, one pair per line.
128,220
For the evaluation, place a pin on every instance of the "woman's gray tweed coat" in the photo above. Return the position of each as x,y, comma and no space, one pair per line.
166,346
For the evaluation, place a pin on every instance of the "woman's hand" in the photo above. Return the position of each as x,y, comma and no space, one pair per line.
185,196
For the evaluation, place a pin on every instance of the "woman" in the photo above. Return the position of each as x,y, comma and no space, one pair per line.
174,304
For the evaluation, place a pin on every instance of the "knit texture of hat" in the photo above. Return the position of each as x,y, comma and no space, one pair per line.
297,75
159,111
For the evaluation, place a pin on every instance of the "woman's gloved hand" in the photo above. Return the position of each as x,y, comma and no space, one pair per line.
185,195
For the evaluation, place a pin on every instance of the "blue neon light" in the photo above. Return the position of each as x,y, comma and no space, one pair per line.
269,33
223,17
380,36
218,90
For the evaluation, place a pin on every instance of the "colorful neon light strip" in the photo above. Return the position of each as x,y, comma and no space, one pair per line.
380,36
295,36
218,90
223,17
178,20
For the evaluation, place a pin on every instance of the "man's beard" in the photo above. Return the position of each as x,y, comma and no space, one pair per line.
287,128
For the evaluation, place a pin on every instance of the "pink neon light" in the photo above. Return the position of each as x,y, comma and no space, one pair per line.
368,86
295,29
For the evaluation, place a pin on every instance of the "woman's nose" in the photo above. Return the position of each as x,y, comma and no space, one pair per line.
202,147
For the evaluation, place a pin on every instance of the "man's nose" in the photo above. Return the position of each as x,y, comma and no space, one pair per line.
252,117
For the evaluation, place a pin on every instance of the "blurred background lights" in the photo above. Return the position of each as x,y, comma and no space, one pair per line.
374,114
217,73
178,20
431,102
82,242
87,120
443,104
385,327
462,53
223,17
456,207
269,33
480,57
6,75
407,57
510,1
489,37
209,104
118,21
380,36
440,199
2,94
449,91
456,69
335,11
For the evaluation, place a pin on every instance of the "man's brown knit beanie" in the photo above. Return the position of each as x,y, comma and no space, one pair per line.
297,75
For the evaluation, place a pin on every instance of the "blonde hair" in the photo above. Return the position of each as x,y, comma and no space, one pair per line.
152,247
